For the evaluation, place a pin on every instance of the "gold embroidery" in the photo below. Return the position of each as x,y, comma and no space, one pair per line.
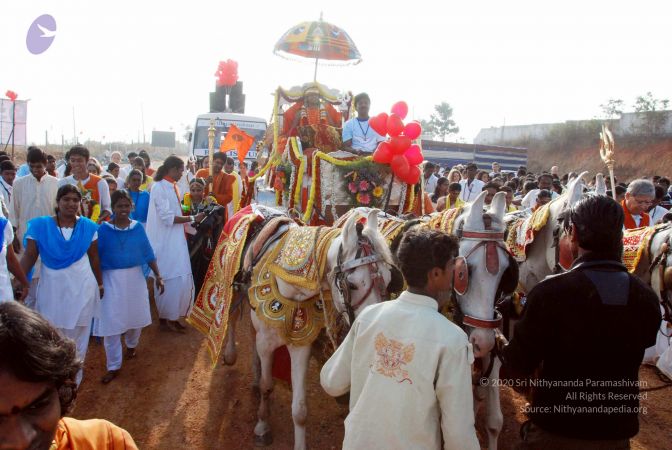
391,356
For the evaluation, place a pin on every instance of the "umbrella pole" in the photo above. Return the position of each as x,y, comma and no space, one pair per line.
315,74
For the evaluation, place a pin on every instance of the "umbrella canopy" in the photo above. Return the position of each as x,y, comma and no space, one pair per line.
318,40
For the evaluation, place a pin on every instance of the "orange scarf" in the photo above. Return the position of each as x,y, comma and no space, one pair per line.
630,221
177,191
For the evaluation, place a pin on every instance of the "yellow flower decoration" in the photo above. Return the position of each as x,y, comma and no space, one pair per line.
378,191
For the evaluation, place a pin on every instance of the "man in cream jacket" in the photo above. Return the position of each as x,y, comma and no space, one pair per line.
407,367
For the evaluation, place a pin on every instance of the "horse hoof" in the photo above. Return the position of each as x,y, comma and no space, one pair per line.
264,440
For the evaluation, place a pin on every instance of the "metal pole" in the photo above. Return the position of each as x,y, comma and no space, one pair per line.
74,127
211,149
13,125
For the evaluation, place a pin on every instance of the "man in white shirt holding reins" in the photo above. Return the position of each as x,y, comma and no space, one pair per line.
407,367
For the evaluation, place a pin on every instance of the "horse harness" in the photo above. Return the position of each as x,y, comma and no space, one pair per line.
490,241
365,256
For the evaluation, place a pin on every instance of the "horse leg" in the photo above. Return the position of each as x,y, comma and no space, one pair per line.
300,356
230,354
494,420
265,345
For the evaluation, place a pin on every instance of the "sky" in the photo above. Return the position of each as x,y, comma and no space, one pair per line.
495,62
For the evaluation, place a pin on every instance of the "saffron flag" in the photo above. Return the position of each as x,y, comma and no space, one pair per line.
236,139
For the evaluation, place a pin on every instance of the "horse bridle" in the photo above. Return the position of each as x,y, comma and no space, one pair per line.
365,256
490,241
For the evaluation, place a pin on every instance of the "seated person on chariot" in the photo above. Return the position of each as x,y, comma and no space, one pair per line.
406,366
312,117
37,389
358,136
202,237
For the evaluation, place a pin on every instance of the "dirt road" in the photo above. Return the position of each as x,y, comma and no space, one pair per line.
169,397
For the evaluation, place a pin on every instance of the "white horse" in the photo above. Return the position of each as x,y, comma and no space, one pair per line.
354,280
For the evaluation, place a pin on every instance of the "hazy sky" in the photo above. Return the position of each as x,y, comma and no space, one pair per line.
517,62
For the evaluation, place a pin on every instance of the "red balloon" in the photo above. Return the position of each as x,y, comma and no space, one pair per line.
400,166
414,155
400,109
413,175
11,95
413,130
395,126
383,153
400,144
379,123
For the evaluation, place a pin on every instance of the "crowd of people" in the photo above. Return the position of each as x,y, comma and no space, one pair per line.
88,245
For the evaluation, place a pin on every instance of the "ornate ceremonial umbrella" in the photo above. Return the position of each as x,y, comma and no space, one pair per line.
318,40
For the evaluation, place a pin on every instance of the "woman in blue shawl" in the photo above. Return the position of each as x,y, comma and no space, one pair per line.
124,249
71,283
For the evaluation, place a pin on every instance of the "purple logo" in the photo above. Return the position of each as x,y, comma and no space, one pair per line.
41,34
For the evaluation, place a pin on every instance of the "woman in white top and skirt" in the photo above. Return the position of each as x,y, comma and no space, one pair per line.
71,283
124,250
165,229
9,263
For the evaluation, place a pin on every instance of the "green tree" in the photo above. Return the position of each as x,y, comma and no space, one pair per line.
612,109
652,114
441,123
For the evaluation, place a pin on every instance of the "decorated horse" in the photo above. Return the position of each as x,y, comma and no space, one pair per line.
484,270
300,281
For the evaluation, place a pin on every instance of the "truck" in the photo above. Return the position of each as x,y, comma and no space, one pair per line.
198,139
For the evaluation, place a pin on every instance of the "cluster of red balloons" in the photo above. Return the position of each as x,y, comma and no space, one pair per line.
11,95
399,151
227,73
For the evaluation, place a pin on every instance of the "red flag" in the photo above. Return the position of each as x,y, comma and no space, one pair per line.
236,139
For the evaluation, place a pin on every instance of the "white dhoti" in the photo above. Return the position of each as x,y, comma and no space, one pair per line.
176,299
113,349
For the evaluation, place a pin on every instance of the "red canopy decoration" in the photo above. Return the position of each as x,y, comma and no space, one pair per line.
11,95
227,73
398,151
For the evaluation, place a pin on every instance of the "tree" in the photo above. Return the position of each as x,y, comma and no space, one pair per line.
441,123
612,109
652,114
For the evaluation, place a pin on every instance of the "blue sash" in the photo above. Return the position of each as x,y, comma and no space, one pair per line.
3,224
57,252
122,249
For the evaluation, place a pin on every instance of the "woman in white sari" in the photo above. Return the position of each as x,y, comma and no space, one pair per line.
165,229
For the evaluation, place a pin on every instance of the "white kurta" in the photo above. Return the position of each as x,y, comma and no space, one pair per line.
125,304
69,297
172,254
408,370
6,292
31,198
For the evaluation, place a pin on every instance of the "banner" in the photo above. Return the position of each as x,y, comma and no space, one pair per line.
20,117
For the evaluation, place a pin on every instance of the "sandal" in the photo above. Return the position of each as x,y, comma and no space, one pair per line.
109,376
131,353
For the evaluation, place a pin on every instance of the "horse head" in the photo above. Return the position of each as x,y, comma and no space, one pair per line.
486,263
360,265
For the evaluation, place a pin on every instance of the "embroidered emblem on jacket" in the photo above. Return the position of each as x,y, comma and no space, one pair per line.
391,356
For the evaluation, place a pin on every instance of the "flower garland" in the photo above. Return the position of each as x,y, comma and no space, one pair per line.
364,183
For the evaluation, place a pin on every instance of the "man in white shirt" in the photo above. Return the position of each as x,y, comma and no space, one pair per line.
545,181
407,367
32,196
496,170
471,187
428,177
358,136
7,177
91,185
656,212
